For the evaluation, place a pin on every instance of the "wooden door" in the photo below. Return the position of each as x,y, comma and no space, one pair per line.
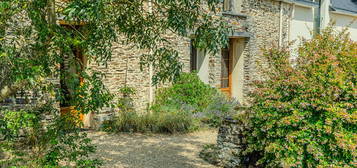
226,70
71,65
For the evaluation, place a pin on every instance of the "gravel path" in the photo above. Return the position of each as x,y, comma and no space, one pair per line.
152,151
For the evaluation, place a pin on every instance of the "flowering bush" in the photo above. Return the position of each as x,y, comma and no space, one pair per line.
305,113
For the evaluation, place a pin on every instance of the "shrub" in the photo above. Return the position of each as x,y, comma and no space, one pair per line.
189,93
175,120
165,119
168,122
182,107
304,115
218,109
29,142
186,89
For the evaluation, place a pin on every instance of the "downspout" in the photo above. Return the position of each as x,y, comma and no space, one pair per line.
291,19
281,24
317,19
324,13
151,89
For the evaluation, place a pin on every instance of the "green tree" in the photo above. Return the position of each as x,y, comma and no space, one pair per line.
33,47
304,114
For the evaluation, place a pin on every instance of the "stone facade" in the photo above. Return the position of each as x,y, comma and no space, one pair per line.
124,70
264,16
265,21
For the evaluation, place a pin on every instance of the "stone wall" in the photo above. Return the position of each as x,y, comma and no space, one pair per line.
124,70
259,18
231,143
264,28
228,152
124,67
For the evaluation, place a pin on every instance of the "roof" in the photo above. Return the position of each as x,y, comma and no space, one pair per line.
344,5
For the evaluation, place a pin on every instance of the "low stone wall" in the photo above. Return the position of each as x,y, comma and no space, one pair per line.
231,143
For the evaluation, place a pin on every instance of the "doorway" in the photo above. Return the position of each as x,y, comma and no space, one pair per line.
226,69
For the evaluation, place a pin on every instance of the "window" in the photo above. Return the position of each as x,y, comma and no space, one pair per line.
227,5
232,6
226,69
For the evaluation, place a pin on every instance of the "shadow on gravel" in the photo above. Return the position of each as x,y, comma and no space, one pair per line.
152,151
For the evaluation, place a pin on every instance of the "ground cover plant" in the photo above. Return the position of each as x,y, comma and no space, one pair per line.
305,113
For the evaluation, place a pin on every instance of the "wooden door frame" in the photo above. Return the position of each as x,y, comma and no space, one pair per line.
78,56
230,65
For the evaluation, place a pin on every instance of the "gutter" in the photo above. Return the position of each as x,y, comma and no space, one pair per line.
302,3
343,12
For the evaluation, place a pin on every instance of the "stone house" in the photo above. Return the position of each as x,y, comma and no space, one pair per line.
257,24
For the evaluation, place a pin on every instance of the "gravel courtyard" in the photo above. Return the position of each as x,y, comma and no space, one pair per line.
152,151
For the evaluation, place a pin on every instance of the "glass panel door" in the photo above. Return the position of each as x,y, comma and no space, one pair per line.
226,71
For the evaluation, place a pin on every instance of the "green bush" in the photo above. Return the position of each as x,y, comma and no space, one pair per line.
186,89
182,107
305,114
207,104
29,142
175,120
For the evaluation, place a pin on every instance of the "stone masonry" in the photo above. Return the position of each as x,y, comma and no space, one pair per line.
258,18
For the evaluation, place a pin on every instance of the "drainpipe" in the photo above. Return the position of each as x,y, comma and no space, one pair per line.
324,13
291,20
281,24
151,89
317,18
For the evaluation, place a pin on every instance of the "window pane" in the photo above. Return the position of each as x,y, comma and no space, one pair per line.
224,83
226,5
225,68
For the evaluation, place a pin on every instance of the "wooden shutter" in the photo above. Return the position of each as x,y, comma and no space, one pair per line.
193,59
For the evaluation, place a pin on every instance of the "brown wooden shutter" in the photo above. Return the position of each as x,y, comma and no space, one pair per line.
193,59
